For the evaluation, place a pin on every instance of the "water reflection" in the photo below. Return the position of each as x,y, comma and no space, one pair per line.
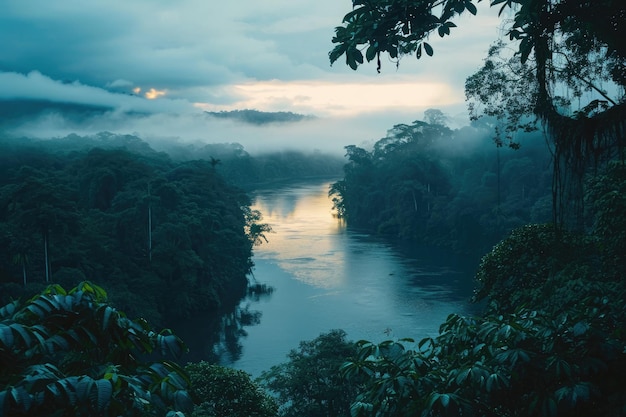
217,336
227,347
307,237
328,277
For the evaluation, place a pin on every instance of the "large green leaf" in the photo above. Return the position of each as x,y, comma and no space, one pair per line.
23,333
101,393
428,49
6,336
21,398
168,343
9,309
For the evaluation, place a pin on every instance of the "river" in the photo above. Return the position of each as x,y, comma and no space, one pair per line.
326,276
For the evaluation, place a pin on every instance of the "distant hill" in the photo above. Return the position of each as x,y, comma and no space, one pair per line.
19,110
256,117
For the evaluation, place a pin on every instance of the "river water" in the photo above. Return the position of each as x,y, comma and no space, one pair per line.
326,276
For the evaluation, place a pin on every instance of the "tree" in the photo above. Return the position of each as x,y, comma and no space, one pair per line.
45,206
565,45
527,363
223,392
522,264
69,353
309,384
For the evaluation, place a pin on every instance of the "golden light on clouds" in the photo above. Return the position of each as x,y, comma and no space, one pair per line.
137,90
345,99
152,93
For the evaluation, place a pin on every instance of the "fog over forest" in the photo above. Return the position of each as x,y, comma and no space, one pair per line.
166,120
366,208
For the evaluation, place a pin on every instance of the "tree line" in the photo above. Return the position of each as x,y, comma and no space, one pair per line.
551,340
428,183
165,238
248,171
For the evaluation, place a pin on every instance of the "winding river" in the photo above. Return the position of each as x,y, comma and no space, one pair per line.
326,276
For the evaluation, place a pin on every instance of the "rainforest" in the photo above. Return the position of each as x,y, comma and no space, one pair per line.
134,180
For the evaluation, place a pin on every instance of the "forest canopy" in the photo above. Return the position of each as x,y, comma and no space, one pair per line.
427,183
165,238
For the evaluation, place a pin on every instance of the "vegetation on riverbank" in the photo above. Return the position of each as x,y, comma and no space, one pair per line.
430,184
550,342
166,239
174,237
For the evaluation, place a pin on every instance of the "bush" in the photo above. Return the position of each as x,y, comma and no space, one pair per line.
310,384
69,353
513,273
223,392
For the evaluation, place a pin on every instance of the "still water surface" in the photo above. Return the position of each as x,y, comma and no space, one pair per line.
329,277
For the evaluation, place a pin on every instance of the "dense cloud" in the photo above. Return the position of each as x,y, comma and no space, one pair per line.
153,67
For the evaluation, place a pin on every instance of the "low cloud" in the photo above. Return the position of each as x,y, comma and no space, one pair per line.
199,53
327,134
36,86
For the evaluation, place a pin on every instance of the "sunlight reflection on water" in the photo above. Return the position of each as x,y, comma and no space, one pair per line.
329,277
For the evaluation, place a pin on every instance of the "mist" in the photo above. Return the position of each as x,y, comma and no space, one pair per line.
161,130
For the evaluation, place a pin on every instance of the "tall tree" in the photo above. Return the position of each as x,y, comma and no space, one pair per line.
565,45
45,206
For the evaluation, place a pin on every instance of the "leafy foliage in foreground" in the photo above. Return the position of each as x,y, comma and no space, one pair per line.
309,384
551,343
527,363
69,353
223,392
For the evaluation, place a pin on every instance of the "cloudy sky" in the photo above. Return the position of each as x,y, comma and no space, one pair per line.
173,59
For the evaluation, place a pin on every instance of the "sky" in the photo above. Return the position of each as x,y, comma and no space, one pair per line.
171,60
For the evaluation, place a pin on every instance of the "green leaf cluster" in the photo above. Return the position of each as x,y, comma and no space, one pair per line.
69,353
527,363
223,392
394,27
309,383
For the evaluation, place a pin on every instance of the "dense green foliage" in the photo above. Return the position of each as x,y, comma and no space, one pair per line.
529,260
69,353
428,183
223,392
165,238
551,342
606,199
527,363
309,384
